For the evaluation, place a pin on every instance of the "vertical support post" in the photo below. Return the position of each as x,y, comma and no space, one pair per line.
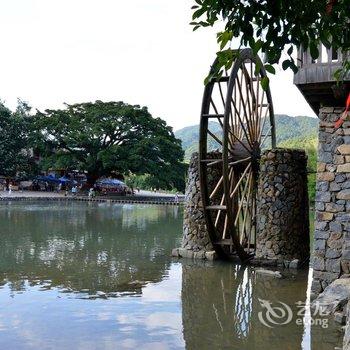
331,257
283,211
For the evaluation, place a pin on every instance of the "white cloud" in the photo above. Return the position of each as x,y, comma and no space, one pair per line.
142,52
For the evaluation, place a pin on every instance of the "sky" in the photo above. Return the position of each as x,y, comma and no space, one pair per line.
138,51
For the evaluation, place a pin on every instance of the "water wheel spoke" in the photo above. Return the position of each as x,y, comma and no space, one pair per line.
265,137
225,228
221,203
213,193
242,125
215,137
216,112
245,215
239,161
244,104
243,197
249,103
240,142
220,211
240,180
211,162
263,124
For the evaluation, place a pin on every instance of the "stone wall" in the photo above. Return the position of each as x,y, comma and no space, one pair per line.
196,242
283,215
332,224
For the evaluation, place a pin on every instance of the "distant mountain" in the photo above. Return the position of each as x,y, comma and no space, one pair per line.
287,128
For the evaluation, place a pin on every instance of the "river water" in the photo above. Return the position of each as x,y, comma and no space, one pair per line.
100,276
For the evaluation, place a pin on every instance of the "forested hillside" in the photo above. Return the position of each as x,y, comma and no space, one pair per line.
291,132
287,128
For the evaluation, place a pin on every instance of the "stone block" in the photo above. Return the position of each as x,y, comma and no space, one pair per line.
334,187
211,255
321,225
334,244
321,167
185,253
199,255
318,264
320,244
339,159
345,265
321,234
326,176
346,254
324,216
333,253
344,149
343,168
316,286
335,226
294,264
334,208
333,265
322,186
323,196
344,194
324,111
175,252
339,178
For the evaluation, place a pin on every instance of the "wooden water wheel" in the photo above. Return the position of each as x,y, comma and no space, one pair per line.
237,122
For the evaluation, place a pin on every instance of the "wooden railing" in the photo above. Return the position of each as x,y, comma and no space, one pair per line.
327,57
321,70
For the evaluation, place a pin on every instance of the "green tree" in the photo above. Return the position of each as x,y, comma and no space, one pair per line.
14,152
277,26
309,144
102,137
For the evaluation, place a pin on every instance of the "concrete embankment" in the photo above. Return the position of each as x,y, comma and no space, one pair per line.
47,196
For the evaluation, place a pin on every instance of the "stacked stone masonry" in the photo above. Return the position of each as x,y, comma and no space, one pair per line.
196,242
331,257
283,224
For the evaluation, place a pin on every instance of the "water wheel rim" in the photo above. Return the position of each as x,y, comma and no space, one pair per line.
250,141
216,230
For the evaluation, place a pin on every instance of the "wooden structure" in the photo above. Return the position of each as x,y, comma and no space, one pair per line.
244,112
315,79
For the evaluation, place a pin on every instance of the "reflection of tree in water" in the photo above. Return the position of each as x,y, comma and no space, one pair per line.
220,308
111,248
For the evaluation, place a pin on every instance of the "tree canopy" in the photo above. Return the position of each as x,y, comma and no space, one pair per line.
274,27
14,154
106,137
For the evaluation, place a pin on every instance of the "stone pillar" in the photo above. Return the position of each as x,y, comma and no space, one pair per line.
332,224
283,211
196,242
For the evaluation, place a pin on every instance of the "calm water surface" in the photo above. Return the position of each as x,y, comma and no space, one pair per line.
99,276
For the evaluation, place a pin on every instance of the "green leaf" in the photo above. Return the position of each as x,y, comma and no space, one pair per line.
290,50
293,67
256,46
285,64
269,68
265,82
198,13
257,68
224,38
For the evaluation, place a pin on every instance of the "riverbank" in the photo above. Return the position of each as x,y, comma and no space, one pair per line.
141,198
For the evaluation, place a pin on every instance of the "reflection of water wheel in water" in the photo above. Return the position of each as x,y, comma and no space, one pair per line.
228,177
